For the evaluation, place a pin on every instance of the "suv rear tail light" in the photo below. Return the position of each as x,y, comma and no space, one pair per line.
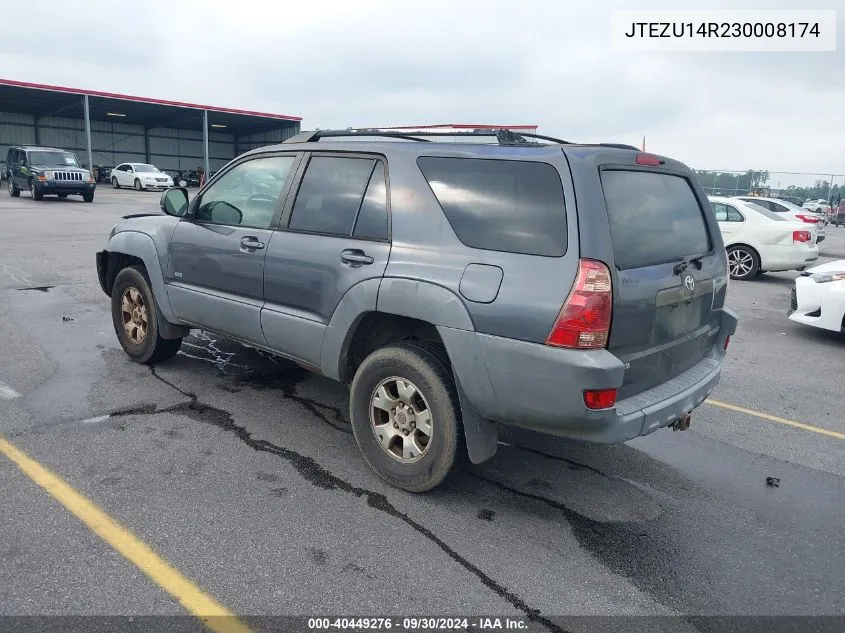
727,342
809,219
600,398
801,236
584,320
648,159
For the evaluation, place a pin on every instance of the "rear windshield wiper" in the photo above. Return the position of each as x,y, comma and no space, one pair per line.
682,265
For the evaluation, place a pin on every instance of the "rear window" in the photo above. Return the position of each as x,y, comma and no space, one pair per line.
654,218
766,212
500,205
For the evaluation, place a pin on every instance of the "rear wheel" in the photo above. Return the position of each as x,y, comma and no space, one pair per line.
135,320
33,191
13,190
743,262
114,182
405,416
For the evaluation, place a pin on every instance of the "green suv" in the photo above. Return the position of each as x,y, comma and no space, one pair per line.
45,171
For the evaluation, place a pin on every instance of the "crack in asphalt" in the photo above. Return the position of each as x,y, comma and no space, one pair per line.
310,470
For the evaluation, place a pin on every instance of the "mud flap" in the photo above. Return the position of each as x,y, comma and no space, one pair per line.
482,436
168,330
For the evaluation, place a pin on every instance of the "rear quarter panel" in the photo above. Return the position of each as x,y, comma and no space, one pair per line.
426,248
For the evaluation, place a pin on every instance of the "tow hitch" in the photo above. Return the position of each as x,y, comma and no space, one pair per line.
682,424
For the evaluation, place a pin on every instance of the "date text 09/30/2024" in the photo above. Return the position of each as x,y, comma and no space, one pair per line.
418,624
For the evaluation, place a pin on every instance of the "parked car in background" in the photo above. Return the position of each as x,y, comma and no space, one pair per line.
140,176
47,171
794,200
818,206
447,312
103,174
759,240
794,212
838,218
818,297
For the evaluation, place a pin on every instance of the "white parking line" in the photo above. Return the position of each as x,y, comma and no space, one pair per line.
7,393
99,418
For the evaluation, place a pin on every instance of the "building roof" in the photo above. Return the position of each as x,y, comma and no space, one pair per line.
47,100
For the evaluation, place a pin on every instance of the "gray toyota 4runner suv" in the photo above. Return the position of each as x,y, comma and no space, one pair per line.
576,290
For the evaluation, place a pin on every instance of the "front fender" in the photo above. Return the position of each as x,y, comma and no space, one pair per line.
143,247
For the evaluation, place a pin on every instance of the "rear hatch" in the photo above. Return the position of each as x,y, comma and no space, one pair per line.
670,268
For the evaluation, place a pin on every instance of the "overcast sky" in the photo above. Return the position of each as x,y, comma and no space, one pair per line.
372,63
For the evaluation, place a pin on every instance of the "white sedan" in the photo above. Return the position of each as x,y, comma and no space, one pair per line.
139,176
818,297
759,240
792,212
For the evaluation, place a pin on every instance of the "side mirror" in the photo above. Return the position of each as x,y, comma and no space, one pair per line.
175,202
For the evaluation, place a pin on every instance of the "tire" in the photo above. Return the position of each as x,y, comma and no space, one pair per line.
88,197
13,190
743,262
33,191
150,347
138,186
430,377
114,183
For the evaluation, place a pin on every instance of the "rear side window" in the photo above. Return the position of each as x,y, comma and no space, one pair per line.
500,205
654,218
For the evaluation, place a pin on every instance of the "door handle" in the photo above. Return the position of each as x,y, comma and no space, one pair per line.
251,243
354,256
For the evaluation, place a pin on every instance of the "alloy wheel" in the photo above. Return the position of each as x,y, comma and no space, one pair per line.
401,419
741,262
134,315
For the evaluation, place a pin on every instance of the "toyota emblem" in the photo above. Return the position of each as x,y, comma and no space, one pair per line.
689,282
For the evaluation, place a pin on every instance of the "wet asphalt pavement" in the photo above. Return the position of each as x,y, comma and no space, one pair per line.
241,471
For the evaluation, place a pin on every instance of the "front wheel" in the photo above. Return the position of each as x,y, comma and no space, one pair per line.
13,190
743,262
88,197
406,417
135,319
138,186
34,192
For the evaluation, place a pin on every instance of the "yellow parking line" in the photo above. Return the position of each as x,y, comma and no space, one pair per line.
774,418
214,615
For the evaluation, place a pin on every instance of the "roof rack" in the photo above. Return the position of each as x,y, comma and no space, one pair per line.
503,136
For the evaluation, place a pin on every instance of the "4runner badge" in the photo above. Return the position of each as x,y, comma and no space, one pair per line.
689,282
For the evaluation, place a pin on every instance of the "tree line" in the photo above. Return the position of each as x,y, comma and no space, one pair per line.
758,181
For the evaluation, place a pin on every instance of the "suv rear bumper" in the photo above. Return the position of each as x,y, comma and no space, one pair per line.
541,388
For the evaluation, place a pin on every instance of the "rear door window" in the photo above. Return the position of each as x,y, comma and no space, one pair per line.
331,194
735,216
654,218
500,205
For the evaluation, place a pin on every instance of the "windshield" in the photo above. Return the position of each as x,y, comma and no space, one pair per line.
53,159
146,168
